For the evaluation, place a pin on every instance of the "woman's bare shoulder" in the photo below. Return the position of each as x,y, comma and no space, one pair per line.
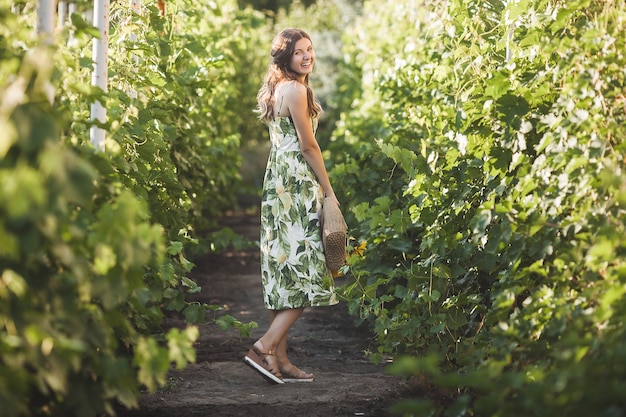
292,95
294,88
295,92
290,89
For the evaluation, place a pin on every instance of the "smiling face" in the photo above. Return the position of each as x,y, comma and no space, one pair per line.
303,58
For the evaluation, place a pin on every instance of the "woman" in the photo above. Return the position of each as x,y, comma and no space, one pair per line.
293,269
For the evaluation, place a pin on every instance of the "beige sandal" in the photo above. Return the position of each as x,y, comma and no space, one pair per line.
292,373
265,364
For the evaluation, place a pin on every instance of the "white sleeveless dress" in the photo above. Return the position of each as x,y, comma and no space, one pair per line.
293,268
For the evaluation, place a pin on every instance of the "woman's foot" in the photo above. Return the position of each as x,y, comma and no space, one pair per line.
292,373
264,363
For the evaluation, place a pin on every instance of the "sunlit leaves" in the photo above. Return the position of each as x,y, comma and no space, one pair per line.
503,122
24,190
180,346
153,362
85,269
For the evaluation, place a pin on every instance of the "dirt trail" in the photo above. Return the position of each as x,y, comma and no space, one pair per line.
324,341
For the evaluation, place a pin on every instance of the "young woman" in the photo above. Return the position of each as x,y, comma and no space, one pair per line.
293,268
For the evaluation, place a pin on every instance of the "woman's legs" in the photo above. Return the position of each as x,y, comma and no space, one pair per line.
281,348
285,366
275,338
262,357
271,349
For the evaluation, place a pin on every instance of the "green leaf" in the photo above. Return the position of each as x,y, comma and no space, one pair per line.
175,248
152,361
194,313
180,345
480,221
497,85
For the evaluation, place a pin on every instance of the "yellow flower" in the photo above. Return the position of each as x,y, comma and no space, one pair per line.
359,250
337,274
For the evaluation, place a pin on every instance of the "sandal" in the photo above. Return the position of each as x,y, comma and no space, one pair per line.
260,362
293,374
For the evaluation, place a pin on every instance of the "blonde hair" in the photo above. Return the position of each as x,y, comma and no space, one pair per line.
283,47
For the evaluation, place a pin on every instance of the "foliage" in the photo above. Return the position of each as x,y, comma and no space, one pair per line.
73,261
479,156
484,168
272,5
172,132
95,246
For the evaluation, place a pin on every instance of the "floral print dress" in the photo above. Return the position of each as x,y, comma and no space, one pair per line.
293,268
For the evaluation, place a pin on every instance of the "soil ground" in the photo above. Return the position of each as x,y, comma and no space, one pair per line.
324,341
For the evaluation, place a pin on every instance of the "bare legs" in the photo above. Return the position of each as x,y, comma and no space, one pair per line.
275,338
263,356
278,326
274,341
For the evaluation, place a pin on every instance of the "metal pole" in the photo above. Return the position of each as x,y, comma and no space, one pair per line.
509,38
61,13
45,19
136,6
99,77
45,30
71,9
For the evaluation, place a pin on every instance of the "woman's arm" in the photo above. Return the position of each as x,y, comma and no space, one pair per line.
295,100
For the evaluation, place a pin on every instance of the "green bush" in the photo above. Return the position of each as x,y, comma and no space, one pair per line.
95,245
495,256
73,260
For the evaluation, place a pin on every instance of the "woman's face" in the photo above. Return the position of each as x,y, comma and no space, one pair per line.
303,58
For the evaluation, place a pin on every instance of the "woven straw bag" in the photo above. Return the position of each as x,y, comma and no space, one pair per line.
334,234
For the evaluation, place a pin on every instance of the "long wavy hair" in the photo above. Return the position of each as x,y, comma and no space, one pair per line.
283,47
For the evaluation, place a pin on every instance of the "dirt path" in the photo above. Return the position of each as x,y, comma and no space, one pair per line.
324,341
